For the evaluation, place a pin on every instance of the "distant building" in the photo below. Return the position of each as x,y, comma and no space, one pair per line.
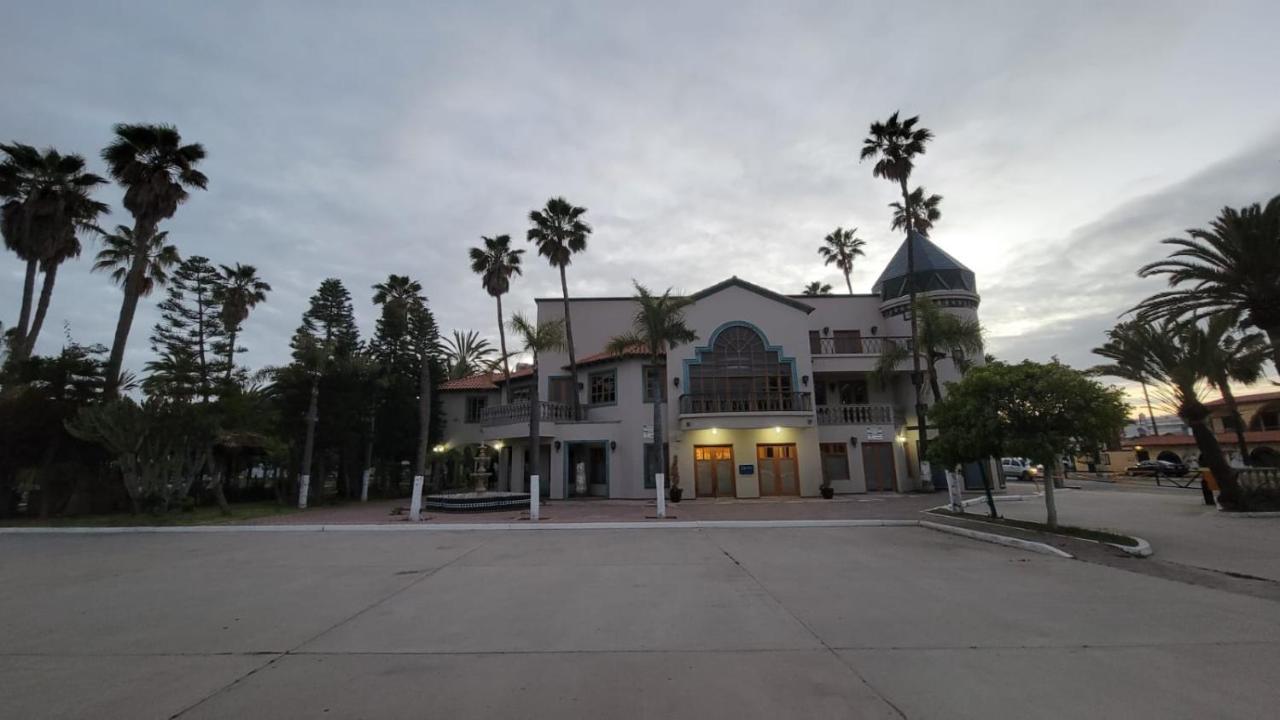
1260,414
1166,424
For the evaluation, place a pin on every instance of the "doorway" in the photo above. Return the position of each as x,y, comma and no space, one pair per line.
878,466
713,473
593,458
779,470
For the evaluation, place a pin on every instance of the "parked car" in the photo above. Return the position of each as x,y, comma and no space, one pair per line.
1158,468
1019,469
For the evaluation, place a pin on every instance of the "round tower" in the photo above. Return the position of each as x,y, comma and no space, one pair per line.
938,276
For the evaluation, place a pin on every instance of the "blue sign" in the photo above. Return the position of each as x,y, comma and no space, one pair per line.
746,469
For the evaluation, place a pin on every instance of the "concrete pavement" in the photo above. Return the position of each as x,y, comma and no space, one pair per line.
751,623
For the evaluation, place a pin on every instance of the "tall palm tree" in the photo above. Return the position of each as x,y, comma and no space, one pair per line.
560,233
240,291
1178,357
942,335
924,211
120,252
467,353
46,203
1233,357
1231,266
817,287
895,144
156,171
658,326
1128,361
536,339
397,294
496,263
839,248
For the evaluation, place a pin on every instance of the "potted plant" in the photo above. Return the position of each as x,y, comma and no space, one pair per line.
676,491
827,491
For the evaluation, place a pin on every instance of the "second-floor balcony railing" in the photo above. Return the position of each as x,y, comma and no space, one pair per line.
762,402
518,412
852,345
855,414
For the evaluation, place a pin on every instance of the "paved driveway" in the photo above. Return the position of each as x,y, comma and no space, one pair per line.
637,623
1176,522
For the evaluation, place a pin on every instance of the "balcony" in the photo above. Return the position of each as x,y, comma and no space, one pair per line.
855,414
518,412
854,345
762,402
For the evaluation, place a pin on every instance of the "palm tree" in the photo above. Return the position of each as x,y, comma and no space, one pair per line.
817,287
1231,266
560,233
1233,357
241,291
1178,357
46,203
942,335
467,353
895,144
398,294
496,263
156,171
924,211
658,326
536,339
1128,361
121,249
840,248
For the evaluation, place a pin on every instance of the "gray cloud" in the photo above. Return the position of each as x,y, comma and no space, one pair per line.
709,140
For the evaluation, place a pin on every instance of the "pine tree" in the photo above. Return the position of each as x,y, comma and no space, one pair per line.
190,340
331,320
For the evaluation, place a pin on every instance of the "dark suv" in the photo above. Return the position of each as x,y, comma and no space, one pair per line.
1158,468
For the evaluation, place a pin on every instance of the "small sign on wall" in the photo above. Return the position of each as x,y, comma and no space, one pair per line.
746,469
875,434
647,431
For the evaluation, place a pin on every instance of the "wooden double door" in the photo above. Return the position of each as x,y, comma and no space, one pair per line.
779,469
713,471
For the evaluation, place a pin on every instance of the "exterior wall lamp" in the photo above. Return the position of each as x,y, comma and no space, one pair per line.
676,381
854,441
557,445
613,445
804,380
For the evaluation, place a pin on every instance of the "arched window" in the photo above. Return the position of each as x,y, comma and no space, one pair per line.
740,373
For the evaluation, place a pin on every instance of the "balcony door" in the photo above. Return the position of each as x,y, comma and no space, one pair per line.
778,469
713,471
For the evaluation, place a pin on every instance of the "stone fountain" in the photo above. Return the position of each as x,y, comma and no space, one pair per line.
480,498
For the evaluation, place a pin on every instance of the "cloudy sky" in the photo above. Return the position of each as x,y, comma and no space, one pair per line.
353,140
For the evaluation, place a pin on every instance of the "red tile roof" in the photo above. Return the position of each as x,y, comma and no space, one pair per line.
633,351
483,381
1229,438
1247,399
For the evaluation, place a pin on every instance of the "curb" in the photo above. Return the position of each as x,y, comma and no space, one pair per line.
459,527
1255,515
1019,543
1142,550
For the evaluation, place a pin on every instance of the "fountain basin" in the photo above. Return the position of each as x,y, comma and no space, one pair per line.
477,502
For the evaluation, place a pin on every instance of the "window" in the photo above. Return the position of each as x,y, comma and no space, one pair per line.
835,461
521,393
655,383
739,367
602,387
847,342
561,390
815,342
475,405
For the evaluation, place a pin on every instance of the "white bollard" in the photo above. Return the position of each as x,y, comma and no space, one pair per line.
415,504
660,480
364,485
534,489
303,487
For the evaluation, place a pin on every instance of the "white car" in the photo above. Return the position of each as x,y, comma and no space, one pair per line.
1019,469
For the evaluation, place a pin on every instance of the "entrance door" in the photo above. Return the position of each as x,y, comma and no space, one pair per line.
878,467
779,469
713,474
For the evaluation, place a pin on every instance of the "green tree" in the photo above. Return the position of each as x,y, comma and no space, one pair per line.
156,171
189,339
496,263
1128,361
240,291
940,335
1233,356
1233,266
560,233
1036,410
658,327
536,339
895,145
330,317
817,287
46,203
840,248
466,354
925,211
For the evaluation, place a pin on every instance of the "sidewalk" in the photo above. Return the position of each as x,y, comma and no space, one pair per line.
880,506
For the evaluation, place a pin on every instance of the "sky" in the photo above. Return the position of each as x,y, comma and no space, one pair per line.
706,139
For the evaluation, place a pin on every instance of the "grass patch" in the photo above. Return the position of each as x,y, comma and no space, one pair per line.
1067,530
209,515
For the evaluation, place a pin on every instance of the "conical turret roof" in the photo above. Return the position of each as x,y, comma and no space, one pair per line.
934,270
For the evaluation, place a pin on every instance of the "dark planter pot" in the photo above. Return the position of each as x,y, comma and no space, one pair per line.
828,493
676,494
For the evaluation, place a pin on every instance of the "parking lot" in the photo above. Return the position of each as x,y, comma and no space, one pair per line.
656,623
